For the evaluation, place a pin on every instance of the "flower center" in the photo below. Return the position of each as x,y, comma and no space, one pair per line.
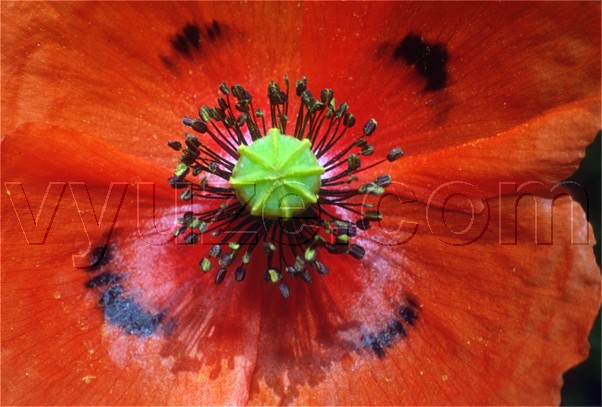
278,175
281,207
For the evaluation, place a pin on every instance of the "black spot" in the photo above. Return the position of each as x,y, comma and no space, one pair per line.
186,40
100,256
428,59
180,44
395,329
214,31
408,314
103,279
168,64
126,313
373,344
193,35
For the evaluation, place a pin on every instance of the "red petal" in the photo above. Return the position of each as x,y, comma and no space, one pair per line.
111,70
527,158
497,324
56,347
507,64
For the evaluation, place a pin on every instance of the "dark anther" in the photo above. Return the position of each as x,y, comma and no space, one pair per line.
369,127
360,142
306,276
383,180
224,89
308,100
241,94
367,150
205,264
240,273
205,114
371,188
349,120
395,154
215,250
225,259
176,145
353,162
186,195
187,218
176,183
341,110
320,267
373,215
242,119
276,96
356,251
191,238
363,224
301,86
221,274
199,126
180,231
284,290
326,96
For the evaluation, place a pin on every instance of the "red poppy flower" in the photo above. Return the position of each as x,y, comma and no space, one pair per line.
478,286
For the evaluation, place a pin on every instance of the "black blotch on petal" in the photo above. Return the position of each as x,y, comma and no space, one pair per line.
166,62
396,329
408,314
180,44
428,59
408,311
105,278
393,331
193,35
187,39
372,343
127,314
100,256
214,30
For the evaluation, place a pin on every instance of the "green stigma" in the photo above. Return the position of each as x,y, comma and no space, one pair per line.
278,176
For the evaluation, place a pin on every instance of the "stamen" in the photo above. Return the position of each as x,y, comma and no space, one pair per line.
281,185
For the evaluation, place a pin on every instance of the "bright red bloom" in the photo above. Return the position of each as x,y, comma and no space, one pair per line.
496,96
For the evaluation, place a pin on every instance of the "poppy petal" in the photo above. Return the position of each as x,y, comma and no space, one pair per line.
490,85
436,76
59,346
530,157
127,73
491,322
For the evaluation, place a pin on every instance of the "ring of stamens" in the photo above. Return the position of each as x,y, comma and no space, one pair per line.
315,171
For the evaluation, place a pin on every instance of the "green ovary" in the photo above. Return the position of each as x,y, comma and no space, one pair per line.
278,176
